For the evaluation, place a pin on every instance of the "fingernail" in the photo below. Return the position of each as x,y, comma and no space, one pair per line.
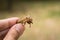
19,27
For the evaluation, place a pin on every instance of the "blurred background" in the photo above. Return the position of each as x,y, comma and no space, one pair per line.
45,14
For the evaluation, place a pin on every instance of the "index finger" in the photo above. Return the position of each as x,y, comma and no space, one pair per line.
7,23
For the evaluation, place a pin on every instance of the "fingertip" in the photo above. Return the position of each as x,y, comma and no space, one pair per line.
16,31
7,23
19,27
13,20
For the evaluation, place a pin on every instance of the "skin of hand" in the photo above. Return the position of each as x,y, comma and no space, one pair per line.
9,30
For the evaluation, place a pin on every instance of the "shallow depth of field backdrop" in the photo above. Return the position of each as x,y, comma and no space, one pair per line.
46,19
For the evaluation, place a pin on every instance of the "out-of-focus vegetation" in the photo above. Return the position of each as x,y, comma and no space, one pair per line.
46,19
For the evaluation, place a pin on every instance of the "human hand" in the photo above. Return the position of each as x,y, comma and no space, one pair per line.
9,30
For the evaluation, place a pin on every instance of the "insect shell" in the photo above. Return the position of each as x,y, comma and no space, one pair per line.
25,20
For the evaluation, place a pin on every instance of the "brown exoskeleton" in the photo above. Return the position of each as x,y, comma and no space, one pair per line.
26,20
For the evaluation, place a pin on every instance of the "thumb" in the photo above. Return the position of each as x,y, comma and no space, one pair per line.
16,31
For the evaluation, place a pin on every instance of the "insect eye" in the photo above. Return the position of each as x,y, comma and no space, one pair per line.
29,22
